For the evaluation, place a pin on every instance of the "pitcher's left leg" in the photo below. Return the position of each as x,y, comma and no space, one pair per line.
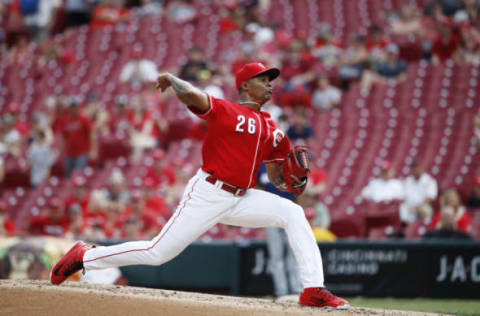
262,209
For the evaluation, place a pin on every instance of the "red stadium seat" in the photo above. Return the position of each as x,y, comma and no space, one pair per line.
348,227
428,117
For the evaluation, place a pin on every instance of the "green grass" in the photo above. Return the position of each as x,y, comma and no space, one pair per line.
446,306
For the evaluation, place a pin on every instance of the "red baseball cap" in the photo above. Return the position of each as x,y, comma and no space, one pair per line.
252,70
476,181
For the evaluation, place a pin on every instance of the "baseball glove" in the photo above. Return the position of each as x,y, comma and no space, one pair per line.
295,170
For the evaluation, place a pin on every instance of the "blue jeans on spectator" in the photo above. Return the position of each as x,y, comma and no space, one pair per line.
72,163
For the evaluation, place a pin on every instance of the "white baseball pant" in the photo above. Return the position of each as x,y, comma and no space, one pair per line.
202,206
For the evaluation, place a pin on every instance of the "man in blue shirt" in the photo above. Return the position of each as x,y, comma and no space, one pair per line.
282,264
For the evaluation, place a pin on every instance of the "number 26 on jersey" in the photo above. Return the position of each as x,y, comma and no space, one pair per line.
251,125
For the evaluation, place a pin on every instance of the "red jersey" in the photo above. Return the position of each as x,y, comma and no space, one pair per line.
161,177
444,50
76,132
156,205
462,219
238,140
22,127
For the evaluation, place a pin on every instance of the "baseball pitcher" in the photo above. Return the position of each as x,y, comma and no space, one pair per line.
240,136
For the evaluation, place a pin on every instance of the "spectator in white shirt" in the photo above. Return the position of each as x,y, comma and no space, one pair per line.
12,138
150,7
41,21
138,70
384,188
420,190
41,157
326,96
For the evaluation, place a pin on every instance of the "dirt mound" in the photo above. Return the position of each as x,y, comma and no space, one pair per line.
73,298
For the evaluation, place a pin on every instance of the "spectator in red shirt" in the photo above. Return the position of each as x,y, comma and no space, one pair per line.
161,174
78,139
153,202
149,222
14,26
450,200
447,227
469,50
446,44
116,214
109,12
54,223
7,226
80,196
473,202
298,98
297,64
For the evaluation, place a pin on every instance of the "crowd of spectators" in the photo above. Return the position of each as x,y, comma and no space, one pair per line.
316,71
419,210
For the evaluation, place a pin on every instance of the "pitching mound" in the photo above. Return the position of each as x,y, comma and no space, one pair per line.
41,298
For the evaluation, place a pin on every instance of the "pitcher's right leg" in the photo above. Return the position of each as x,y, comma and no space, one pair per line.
197,212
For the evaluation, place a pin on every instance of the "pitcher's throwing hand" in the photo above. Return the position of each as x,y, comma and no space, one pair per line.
163,81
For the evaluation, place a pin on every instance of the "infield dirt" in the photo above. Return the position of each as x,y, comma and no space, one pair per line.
74,298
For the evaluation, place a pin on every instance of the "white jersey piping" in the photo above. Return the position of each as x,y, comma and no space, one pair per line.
256,151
